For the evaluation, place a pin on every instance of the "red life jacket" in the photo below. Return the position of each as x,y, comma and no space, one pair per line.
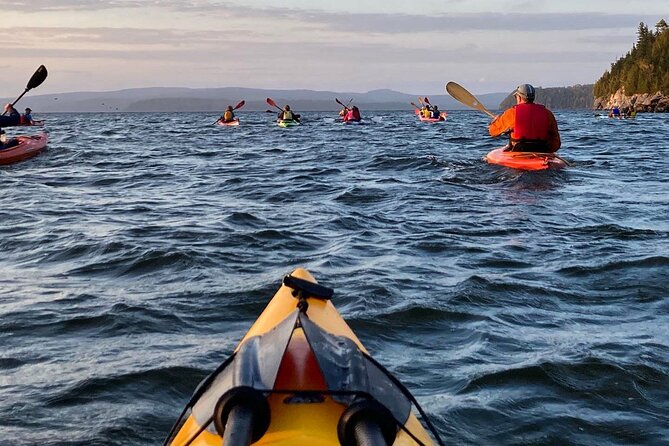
531,129
23,120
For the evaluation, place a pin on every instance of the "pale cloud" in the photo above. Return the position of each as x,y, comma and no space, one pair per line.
135,43
405,23
130,43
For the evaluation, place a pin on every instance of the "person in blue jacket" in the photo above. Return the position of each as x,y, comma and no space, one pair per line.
27,117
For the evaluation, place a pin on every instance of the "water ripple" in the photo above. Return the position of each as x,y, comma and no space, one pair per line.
519,307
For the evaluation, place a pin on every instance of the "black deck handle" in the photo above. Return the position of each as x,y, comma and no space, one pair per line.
306,288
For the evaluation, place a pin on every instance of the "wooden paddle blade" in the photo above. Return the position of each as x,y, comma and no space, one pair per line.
38,77
240,105
461,94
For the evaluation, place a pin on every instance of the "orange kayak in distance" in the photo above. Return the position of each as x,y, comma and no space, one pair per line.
232,123
442,117
525,160
27,147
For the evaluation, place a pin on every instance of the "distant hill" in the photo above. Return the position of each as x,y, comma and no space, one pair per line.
644,69
559,98
169,99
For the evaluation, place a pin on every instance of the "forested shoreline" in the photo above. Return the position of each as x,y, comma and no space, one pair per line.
638,81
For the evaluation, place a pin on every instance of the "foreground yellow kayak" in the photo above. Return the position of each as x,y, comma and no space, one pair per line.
300,376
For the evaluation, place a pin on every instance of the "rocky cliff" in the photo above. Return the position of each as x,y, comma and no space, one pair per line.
641,103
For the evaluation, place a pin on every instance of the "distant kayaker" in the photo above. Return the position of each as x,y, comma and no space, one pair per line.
436,114
228,115
287,115
352,114
27,117
532,126
12,116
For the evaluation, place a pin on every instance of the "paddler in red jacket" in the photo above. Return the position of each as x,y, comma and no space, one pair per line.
532,126
352,114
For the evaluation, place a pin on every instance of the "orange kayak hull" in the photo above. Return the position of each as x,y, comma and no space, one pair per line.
232,123
27,147
525,160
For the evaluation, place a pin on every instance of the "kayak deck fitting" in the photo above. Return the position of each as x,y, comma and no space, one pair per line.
300,376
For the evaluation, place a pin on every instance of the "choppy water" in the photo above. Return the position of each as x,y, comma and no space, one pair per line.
520,308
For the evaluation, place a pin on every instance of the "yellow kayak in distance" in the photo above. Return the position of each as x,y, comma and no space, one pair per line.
300,376
287,123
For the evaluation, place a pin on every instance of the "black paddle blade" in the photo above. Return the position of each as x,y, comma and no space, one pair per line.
37,79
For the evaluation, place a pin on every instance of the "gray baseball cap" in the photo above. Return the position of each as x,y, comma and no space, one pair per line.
525,91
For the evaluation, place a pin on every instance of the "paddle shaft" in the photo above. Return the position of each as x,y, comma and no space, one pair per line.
35,81
17,100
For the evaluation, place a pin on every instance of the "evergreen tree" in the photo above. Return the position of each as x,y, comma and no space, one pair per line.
644,69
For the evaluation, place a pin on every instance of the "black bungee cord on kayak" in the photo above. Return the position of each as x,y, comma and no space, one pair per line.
303,289
232,402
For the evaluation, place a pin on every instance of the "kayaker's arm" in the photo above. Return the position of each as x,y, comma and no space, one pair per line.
502,123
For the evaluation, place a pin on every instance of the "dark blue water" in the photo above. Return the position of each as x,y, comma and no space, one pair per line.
520,308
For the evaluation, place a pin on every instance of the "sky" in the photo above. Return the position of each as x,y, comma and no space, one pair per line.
345,45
